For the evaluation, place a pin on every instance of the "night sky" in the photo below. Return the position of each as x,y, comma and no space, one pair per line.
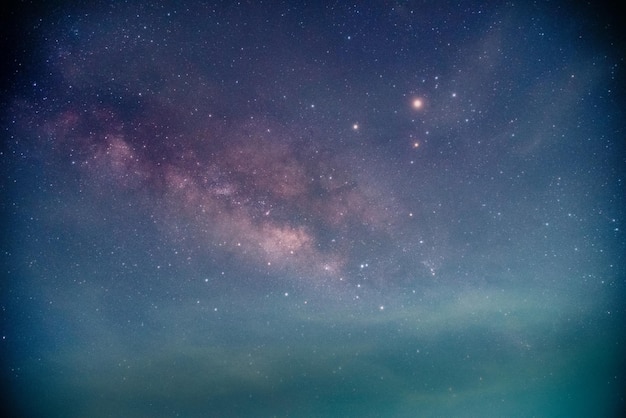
384,209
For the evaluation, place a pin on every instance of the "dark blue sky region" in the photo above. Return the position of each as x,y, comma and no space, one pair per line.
313,209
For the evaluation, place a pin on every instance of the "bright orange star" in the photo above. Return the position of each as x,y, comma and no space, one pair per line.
418,103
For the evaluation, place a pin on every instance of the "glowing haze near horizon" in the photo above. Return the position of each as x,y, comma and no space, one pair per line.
374,209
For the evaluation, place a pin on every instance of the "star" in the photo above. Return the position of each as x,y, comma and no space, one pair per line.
417,103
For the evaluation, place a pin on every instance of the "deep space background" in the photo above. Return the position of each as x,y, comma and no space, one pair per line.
309,209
